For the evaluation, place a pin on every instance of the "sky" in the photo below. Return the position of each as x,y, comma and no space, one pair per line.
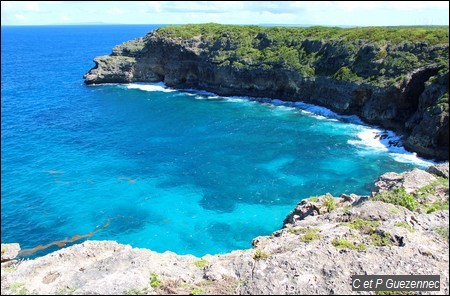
327,13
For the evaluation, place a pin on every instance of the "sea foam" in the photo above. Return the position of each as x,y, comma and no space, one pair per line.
368,138
159,86
388,141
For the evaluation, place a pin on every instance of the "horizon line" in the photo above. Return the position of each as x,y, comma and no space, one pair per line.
260,24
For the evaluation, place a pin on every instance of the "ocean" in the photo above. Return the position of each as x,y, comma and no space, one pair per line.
170,170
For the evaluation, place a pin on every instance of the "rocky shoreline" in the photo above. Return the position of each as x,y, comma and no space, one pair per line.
412,102
323,242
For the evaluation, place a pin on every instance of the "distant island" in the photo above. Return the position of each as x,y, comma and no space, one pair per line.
396,77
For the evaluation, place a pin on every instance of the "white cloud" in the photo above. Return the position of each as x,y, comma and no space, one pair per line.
20,17
413,5
198,6
360,13
115,10
64,18
32,6
155,6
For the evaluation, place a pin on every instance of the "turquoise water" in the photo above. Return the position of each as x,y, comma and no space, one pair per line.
184,171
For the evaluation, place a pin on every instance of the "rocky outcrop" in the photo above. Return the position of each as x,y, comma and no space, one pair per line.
408,105
323,243
440,170
411,181
10,251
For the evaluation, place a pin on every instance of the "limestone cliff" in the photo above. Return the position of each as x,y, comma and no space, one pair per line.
398,82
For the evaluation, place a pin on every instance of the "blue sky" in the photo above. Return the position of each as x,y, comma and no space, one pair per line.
331,13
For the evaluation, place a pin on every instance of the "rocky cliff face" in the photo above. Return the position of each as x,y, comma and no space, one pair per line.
376,81
316,252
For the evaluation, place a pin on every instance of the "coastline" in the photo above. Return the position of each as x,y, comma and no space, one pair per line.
316,252
379,137
364,76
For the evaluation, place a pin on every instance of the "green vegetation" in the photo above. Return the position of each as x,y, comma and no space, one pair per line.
310,235
342,243
395,35
18,288
394,210
328,202
405,225
69,291
362,225
398,196
313,199
154,281
437,206
442,231
302,230
380,55
377,55
134,292
378,238
345,73
432,187
201,263
260,255
381,239
9,268
197,291
307,234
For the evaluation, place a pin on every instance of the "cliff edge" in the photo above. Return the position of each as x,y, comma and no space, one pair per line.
393,77
401,229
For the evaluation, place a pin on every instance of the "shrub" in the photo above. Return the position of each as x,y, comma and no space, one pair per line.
345,73
381,239
154,281
260,255
381,54
328,202
310,235
437,206
432,187
362,225
18,288
342,243
442,231
197,291
201,263
399,197
405,225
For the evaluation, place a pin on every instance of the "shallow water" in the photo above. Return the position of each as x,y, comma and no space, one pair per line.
185,171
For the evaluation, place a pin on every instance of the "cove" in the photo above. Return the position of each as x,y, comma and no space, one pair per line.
187,172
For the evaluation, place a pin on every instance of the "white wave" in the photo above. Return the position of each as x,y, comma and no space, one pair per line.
370,138
193,91
159,86
388,141
325,113
409,157
233,99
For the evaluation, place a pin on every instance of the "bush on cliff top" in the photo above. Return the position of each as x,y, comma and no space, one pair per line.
429,34
399,197
377,55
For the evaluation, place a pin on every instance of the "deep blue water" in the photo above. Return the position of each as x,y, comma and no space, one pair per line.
169,170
